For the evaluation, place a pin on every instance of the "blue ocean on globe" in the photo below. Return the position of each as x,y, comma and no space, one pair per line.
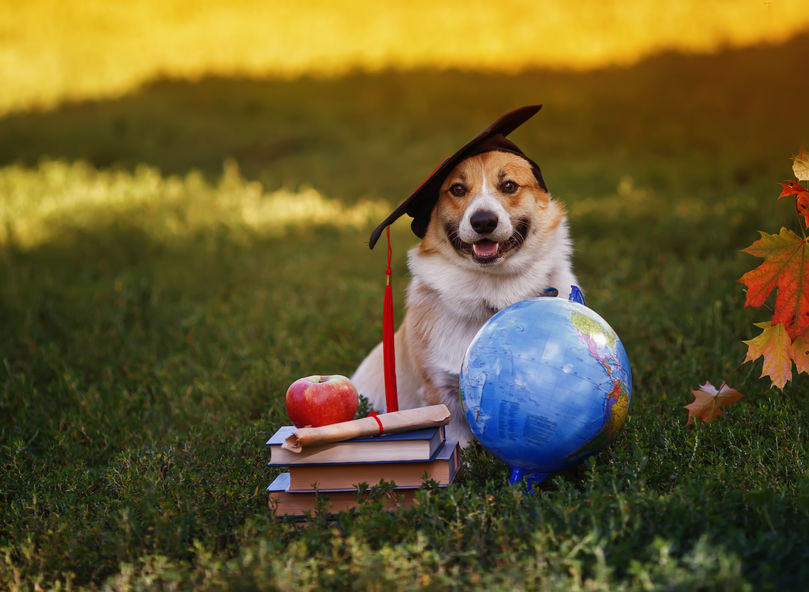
545,383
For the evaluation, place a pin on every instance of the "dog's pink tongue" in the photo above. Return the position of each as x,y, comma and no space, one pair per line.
485,248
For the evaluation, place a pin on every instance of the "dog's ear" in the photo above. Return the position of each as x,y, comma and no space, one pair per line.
421,221
421,202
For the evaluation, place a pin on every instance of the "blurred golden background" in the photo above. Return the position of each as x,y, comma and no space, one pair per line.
53,50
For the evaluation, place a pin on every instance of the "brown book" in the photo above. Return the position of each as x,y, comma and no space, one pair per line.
442,469
295,503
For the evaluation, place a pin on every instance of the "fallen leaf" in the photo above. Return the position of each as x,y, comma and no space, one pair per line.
785,268
708,402
800,166
776,346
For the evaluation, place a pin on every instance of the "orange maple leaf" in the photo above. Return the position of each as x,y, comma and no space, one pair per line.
708,402
785,267
800,353
776,346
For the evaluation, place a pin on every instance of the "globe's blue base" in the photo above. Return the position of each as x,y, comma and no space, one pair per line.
532,478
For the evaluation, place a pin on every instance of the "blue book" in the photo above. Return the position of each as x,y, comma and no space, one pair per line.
415,445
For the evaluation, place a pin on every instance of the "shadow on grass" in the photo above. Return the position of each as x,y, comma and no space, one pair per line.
175,333
698,123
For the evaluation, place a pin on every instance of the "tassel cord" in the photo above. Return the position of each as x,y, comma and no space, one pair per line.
388,333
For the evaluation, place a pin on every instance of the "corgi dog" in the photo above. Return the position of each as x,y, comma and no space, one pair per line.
495,236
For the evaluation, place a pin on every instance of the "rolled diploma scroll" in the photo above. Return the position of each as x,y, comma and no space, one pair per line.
388,423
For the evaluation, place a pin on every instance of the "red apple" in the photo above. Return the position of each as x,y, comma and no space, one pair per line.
321,400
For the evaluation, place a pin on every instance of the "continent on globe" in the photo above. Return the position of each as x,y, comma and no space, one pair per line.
592,333
615,414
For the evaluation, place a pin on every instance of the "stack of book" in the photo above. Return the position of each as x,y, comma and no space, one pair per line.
336,471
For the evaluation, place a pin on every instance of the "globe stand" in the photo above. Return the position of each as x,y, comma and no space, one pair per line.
532,479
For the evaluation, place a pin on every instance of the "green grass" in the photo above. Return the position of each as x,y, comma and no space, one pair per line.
153,310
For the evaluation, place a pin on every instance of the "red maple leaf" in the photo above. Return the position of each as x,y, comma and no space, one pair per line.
801,194
708,402
791,188
785,268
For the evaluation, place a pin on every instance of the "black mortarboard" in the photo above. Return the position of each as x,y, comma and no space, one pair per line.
420,203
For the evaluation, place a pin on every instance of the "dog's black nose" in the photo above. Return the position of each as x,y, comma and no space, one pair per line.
483,221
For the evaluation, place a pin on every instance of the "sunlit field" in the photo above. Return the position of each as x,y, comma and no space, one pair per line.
177,207
186,194
51,50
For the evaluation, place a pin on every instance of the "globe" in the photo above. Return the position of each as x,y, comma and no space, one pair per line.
545,383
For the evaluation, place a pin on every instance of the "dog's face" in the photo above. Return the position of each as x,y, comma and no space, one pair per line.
490,208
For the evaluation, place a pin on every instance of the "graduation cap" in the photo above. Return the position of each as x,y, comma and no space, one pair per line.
419,205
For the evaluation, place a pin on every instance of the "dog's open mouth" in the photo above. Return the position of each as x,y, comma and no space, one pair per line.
489,251
485,249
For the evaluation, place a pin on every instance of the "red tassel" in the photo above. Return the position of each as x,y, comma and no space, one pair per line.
388,351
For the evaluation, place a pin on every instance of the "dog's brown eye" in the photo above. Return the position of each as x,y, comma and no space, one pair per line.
457,190
509,187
